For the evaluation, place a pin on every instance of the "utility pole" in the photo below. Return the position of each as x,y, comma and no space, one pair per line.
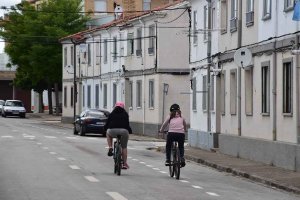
239,68
209,60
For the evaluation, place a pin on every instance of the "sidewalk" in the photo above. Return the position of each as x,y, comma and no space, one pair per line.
269,175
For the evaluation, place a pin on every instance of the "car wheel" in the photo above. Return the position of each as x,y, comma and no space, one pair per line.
74,131
82,131
3,115
22,116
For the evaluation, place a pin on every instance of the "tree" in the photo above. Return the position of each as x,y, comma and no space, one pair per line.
33,42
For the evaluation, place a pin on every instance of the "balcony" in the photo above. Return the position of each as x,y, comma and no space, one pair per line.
151,50
233,24
249,18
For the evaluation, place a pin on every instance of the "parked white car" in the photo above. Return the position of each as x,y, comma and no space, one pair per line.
13,108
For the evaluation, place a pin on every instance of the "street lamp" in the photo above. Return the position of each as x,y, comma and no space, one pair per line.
165,92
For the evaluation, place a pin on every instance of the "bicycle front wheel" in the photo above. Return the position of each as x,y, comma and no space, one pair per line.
177,164
171,166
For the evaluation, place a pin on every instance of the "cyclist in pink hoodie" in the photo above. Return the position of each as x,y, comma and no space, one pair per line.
176,132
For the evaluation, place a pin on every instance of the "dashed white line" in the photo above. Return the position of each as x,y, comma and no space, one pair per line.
73,138
61,158
135,159
128,157
74,167
131,148
163,172
142,163
184,181
212,194
197,187
149,165
156,169
53,153
50,137
6,136
92,138
45,148
116,196
39,143
91,179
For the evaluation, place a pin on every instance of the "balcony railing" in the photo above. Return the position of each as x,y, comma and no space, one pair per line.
233,24
249,18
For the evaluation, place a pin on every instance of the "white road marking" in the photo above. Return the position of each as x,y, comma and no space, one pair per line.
156,169
74,167
39,143
197,187
149,165
91,179
28,136
92,138
53,153
116,196
73,138
61,158
131,148
212,194
45,148
50,137
6,136
163,172
130,157
14,130
184,181
142,162
135,159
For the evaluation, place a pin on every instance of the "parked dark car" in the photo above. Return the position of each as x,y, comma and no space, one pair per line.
13,108
91,121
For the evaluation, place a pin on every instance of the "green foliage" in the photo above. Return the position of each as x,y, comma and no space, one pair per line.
33,40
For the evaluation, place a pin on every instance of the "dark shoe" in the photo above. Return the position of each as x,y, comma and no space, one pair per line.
110,152
167,163
182,162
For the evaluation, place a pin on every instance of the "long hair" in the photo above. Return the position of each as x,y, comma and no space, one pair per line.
173,114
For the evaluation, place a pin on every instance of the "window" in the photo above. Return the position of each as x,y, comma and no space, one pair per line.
224,16
139,94
131,94
65,57
212,92
139,42
151,93
65,96
194,88
72,56
151,39
147,5
130,44
114,93
204,93
249,91
97,53
233,16
105,51
104,95
223,92
195,36
122,44
72,95
97,95
115,49
205,23
250,13
288,5
100,6
89,54
265,90
266,9
83,96
233,91
89,96
287,87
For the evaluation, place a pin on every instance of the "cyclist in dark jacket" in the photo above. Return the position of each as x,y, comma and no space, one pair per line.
118,124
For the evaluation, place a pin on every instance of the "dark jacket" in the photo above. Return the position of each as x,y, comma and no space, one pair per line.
118,118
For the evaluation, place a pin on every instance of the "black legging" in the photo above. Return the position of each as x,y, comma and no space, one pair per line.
179,137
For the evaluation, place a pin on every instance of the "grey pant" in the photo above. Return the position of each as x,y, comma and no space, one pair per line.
114,132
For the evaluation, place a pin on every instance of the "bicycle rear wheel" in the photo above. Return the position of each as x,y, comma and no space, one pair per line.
177,164
171,166
119,160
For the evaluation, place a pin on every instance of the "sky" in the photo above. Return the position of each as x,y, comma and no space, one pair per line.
6,3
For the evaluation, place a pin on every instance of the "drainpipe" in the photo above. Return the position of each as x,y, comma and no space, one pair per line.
143,63
297,62
239,69
208,66
274,126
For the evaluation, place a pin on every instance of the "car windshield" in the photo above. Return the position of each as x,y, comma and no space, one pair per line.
95,114
14,103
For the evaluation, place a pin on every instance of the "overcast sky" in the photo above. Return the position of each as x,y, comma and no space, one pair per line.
6,3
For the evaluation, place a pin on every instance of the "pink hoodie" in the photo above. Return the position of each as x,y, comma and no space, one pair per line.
176,125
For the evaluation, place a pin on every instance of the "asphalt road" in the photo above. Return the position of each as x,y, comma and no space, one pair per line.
43,162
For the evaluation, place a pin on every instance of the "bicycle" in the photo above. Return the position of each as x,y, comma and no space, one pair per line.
117,156
175,162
